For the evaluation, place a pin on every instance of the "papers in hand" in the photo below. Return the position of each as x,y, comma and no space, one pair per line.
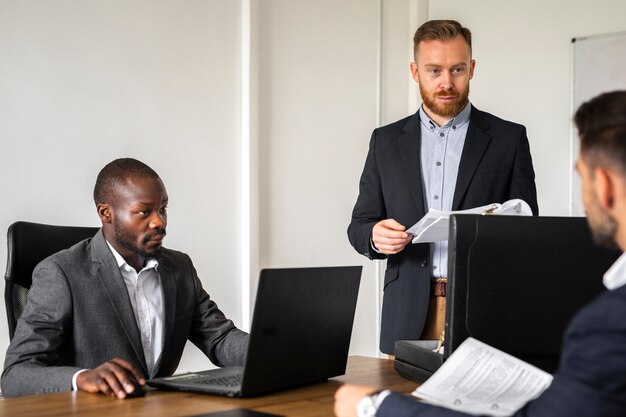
433,227
482,380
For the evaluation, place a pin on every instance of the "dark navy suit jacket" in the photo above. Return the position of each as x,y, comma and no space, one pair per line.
495,166
590,382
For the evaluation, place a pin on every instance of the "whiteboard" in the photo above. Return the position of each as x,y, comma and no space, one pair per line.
599,66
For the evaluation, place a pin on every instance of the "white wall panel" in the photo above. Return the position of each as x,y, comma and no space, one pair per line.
84,82
317,109
523,73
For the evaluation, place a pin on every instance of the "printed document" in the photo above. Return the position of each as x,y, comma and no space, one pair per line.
433,227
482,380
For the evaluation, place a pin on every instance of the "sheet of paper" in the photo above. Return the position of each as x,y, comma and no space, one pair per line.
433,227
480,379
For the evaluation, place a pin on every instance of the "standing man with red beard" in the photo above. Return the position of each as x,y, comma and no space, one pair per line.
448,156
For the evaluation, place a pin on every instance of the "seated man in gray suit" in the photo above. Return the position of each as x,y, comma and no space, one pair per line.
591,379
118,306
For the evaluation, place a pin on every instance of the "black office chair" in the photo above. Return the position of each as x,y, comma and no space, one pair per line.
28,244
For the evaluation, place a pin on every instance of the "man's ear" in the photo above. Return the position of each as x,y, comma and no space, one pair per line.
604,183
414,73
105,212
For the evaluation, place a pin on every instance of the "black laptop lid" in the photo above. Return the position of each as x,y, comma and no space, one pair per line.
301,327
515,282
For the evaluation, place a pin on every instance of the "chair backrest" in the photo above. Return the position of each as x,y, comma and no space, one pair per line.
28,244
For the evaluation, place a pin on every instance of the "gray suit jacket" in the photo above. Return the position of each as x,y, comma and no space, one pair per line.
79,315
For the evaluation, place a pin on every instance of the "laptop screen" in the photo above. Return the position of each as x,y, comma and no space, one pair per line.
301,326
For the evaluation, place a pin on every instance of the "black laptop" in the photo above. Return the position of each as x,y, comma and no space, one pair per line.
300,334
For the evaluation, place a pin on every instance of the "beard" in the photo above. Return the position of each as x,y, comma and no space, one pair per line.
603,227
445,110
128,241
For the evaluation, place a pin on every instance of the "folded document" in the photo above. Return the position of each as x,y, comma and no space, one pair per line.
482,380
433,227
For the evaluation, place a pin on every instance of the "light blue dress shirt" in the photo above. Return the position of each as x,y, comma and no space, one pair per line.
441,149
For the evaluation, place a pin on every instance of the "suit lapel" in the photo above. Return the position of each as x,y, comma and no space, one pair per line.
476,143
109,275
409,146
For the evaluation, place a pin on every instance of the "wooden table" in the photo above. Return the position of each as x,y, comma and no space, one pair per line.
309,401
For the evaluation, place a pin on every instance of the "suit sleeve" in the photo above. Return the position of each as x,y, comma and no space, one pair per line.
591,380
523,178
592,377
369,208
398,405
213,333
31,364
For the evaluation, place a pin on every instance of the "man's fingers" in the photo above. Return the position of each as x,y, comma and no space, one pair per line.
392,224
389,241
347,397
389,229
112,378
131,369
96,382
391,234
393,240
390,249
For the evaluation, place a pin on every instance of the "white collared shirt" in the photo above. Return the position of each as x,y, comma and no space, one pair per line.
615,277
146,296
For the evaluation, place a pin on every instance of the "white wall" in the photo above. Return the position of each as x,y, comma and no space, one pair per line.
523,72
83,82
317,92
313,108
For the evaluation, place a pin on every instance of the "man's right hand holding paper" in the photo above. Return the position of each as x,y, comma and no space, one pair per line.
389,237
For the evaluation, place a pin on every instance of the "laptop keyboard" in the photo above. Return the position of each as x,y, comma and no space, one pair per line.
223,381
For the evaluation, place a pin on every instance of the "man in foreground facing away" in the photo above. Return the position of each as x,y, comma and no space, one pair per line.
591,379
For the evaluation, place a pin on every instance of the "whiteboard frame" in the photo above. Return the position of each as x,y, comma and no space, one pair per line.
575,203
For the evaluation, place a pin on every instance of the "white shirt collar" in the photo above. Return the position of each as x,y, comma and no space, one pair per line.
615,277
152,263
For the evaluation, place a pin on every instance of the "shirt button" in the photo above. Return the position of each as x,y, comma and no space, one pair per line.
434,266
438,163
454,127
441,134
436,197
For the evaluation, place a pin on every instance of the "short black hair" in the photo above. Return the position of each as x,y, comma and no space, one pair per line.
601,124
115,172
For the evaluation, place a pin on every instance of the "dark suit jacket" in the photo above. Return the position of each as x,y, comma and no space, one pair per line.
495,166
590,382
79,315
